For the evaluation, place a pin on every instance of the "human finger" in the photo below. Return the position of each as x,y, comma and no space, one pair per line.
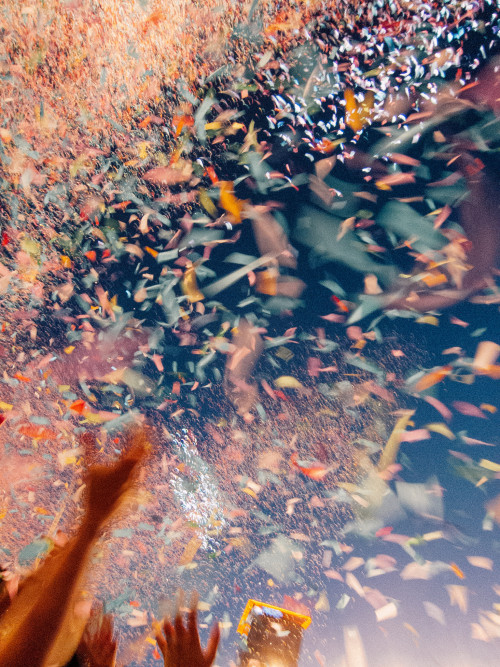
170,635
213,644
193,615
161,637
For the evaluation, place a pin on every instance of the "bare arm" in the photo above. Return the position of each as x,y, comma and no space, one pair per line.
30,628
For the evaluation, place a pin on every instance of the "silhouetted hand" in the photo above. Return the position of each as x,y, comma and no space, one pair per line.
98,645
107,486
180,643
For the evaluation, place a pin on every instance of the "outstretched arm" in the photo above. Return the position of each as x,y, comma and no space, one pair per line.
30,628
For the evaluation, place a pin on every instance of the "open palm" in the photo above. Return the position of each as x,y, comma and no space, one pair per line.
180,643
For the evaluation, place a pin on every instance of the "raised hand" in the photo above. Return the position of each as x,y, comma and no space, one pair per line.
98,645
180,643
107,486
42,622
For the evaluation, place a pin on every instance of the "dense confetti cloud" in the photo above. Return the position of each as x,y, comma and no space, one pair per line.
239,223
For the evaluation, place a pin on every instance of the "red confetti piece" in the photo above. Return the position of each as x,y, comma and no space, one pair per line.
78,406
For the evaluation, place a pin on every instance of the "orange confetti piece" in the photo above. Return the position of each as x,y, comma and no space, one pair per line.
179,122
266,282
190,551
37,432
357,114
91,255
144,123
22,378
316,471
457,571
65,261
210,171
434,278
121,206
433,378
229,202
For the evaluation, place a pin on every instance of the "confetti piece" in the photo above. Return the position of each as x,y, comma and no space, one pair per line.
386,612
392,446
481,561
440,407
36,432
457,571
458,597
287,382
442,429
468,409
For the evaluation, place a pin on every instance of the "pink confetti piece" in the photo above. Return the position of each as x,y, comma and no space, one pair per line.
416,435
468,409
440,407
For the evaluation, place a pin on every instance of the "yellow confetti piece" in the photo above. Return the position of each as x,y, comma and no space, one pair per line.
382,186
442,429
288,382
207,202
489,465
322,604
428,319
143,149
391,449
270,582
488,408
250,492
150,640
5,406
284,353
435,535
69,349
30,246
190,287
